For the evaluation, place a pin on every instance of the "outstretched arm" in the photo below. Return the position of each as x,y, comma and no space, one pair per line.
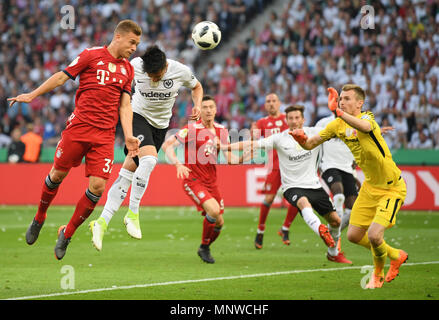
56,80
242,145
306,143
233,159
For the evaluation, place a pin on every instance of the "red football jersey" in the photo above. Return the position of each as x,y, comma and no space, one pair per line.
268,126
201,149
102,81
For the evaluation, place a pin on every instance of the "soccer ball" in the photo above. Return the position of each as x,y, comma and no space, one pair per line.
206,35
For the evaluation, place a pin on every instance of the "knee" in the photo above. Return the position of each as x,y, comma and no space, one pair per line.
269,198
354,237
213,211
97,188
303,203
374,238
57,176
337,188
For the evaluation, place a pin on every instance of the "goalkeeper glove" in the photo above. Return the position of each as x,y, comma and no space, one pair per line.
299,135
333,102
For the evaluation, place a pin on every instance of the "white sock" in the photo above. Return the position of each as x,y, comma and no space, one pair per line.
338,203
345,218
140,181
335,233
117,194
311,219
285,228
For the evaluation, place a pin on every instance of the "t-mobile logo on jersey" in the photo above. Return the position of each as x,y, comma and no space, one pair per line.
102,76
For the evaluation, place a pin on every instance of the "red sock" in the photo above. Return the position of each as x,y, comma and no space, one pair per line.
291,214
83,210
47,196
263,214
207,231
215,233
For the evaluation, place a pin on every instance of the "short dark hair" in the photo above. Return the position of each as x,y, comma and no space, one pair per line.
295,107
207,98
154,60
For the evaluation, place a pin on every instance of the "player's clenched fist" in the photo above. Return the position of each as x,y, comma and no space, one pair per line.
132,144
299,135
196,112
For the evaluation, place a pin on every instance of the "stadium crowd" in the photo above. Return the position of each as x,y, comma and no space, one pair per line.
305,48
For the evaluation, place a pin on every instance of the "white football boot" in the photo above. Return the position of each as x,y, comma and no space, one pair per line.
131,221
98,228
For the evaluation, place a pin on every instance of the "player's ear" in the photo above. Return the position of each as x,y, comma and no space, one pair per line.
117,36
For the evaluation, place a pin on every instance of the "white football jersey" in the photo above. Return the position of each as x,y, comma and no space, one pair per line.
336,154
155,100
298,167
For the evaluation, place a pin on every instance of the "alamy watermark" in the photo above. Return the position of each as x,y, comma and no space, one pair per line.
368,19
68,18
68,280
365,280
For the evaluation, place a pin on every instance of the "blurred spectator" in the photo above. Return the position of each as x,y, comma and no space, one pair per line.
33,143
59,98
401,129
434,127
16,148
423,112
5,140
255,113
391,137
420,139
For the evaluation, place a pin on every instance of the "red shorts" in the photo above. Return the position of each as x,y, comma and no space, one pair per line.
200,193
272,182
80,139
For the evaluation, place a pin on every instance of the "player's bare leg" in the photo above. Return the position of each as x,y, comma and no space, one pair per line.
148,159
313,221
263,214
212,220
50,189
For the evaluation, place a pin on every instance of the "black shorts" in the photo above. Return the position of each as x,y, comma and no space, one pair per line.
147,134
318,198
347,179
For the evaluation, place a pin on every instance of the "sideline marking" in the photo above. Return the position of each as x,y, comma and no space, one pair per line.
67,293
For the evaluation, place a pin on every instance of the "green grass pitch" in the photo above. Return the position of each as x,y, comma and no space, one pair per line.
164,264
